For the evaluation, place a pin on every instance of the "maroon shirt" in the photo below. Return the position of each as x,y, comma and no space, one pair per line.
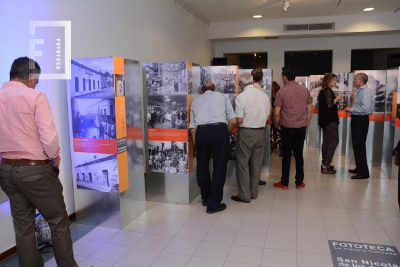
293,100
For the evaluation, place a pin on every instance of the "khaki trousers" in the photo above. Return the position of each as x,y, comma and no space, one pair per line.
37,187
249,156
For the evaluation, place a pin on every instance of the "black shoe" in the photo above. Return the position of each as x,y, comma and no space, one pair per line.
237,198
353,171
261,182
204,203
219,208
359,177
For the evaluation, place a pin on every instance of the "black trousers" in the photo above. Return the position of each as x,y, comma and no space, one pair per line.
292,140
359,133
212,141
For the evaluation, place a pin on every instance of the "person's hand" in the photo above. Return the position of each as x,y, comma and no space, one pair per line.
278,127
347,109
339,97
57,161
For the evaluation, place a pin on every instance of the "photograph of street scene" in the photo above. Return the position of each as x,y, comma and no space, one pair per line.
377,84
167,112
223,77
166,78
315,87
92,78
168,157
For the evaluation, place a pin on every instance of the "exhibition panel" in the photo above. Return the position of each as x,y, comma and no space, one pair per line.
393,174
170,177
314,131
104,180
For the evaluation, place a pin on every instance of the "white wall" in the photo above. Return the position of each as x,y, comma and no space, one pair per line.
145,30
341,47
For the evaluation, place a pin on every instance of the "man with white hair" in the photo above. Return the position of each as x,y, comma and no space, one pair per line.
363,106
252,110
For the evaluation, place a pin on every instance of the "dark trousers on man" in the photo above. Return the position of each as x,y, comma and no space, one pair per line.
212,141
249,156
37,187
359,133
292,141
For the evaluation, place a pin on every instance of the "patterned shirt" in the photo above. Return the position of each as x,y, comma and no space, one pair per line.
363,102
253,106
211,107
27,127
293,100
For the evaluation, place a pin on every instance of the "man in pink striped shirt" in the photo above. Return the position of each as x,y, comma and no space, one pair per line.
30,152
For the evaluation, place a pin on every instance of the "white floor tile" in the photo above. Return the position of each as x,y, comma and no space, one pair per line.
313,245
313,260
126,238
221,236
171,260
84,247
201,221
141,226
110,252
250,240
250,255
153,242
101,234
204,262
281,242
166,229
371,237
182,246
177,218
210,250
139,257
89,262
253,227
192,232
238,264
279,258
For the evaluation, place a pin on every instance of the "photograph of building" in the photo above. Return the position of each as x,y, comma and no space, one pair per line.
92,78
315,87
302,80
93,118
167,112
344,85
166,78
223,77
168,157
119,85
391,87
377,83
97,172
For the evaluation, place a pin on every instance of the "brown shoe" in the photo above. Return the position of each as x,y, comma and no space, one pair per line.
327,170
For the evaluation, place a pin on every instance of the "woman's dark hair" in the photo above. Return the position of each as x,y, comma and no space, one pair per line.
327,79
289,73
23,67
275,88
257,74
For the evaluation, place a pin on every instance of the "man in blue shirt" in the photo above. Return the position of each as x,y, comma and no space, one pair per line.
363,106
211,119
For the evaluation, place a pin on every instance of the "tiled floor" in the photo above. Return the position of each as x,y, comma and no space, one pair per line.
279,229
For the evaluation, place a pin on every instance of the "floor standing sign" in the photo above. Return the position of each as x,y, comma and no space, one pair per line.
349,254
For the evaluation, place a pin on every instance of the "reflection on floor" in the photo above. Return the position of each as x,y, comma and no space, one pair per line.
280,228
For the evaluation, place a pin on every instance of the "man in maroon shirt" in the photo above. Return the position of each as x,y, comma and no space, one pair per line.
292,116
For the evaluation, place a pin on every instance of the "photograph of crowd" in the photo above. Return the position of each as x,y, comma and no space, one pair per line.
92,78
391,87
315,87
232,98
97,172
302,80
167,112
166,78
168,157
196,80
93,118
267,79
223,77
377,83
119,85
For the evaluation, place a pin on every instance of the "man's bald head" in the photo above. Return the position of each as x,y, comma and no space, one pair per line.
208,86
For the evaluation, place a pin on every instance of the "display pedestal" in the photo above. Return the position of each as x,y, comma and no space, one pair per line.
170,173
107,142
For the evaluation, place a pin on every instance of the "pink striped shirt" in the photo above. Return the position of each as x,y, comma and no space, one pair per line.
293,100
26,124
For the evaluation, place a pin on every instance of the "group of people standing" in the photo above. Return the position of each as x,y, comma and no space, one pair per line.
160,116
213,117
104,126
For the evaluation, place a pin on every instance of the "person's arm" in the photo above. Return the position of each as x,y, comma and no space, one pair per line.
193,131
231,124
239,110
308,114
47,131
277,114
192,125
230,114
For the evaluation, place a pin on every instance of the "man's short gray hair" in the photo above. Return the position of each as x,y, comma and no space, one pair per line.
246,81
363,77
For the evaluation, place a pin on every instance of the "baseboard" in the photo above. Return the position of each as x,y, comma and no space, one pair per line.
4,255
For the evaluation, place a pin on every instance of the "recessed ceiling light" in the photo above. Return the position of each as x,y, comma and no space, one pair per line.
257,16
368,9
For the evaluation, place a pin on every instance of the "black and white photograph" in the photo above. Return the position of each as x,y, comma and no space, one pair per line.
167,112
343,87
232,99
391,87
267,78
196,80
315,87
168,157
98,172
166,78
302,80
223,77
377,84
232,146
119,85
93,118
92,78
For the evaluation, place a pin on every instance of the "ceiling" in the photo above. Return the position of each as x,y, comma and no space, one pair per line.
230,10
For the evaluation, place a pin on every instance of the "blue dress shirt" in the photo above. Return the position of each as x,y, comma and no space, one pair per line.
363,102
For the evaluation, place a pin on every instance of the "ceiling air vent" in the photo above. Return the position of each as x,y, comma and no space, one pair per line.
309,27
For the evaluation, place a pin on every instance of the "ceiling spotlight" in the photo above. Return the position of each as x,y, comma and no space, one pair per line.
368,9
257,16
286,5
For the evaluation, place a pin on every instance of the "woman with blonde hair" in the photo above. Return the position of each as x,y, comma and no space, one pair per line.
329,121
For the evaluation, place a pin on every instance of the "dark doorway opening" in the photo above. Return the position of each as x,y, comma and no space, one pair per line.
375,59
309,62
248,60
